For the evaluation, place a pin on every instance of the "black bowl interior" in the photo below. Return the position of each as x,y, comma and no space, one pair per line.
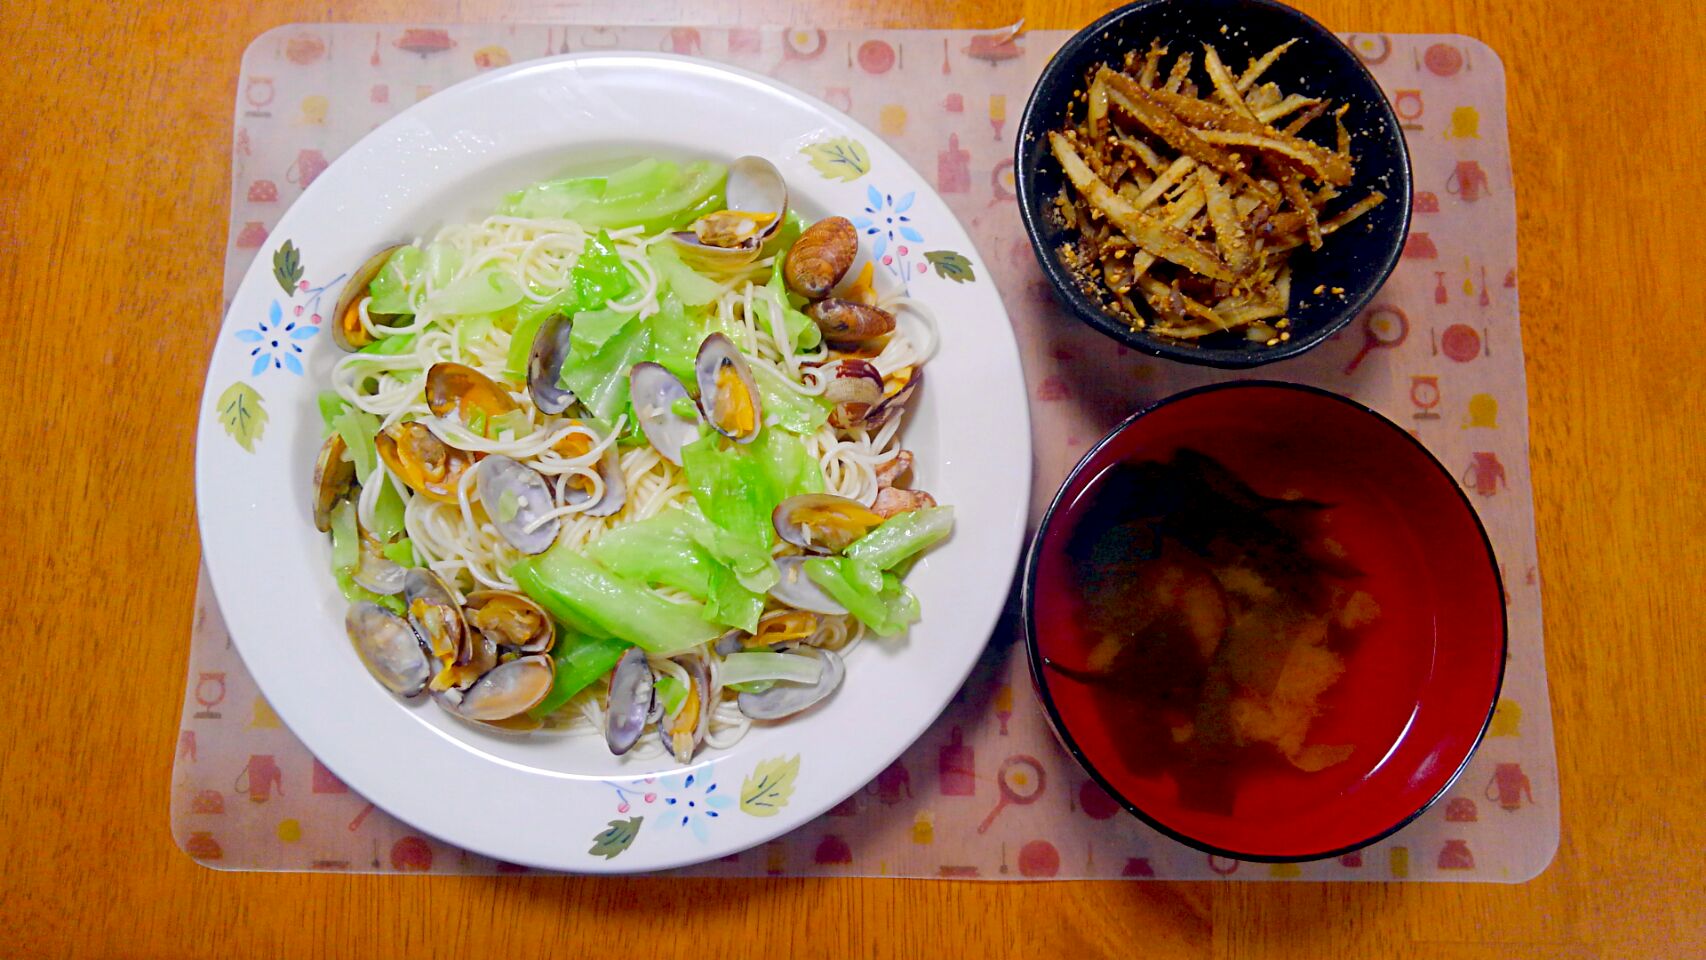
1357,260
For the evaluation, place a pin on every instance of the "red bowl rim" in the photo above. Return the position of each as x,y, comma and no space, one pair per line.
1034,655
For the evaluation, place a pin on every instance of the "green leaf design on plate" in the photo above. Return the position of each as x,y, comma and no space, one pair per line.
242,415
951,266
772,782
615,838
842,158
287,266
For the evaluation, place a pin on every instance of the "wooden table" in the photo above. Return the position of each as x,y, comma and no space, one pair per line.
114,158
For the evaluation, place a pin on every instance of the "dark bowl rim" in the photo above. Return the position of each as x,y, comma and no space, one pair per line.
1033,654
1089,313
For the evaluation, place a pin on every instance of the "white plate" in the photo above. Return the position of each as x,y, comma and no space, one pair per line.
546,801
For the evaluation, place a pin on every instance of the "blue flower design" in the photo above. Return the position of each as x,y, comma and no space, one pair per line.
277,344
886,221
693,803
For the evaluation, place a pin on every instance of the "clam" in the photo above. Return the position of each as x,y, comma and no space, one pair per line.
686,730
511,620
822,522
899,389
786,698
334,474
545,366
518,500
630,703
506,691
797,590
376,572
784,626
347,331
460,676
855,388
658,398
756,199
433,613
893,470
578,490
422,461
728,397
732,642
454,388
848,322
892,501
820,257
388,647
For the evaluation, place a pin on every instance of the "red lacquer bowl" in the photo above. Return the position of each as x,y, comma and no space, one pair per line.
1419,684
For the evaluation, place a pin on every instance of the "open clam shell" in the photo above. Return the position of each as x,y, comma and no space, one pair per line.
797,590
756,203
388,647
615,487
822,522
657,394
728,396
786,698
545,366
631,694
516,499
506,691
347,331
334,475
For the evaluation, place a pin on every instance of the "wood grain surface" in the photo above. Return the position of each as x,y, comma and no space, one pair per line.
115,126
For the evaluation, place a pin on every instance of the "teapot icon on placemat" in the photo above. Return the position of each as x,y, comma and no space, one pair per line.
682,40
208,802
325,781
1455,855
1509,786
309,163
259,777
956,768
1485,474
202,846
263,191
1467,181
1460,810
891,783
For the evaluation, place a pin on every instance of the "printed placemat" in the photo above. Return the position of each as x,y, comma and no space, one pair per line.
986,793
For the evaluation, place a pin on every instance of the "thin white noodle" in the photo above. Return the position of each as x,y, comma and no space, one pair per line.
458,541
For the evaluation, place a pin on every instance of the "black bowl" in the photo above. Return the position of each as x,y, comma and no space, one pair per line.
1357,259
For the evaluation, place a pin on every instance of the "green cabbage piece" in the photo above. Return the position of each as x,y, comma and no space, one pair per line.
694,288
654,195
574,589
331,406
671,692
598,277
786,407
802,330
902,536
879,600
664,550
391,346
394,285
358,429
401,553
486,291
580,661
